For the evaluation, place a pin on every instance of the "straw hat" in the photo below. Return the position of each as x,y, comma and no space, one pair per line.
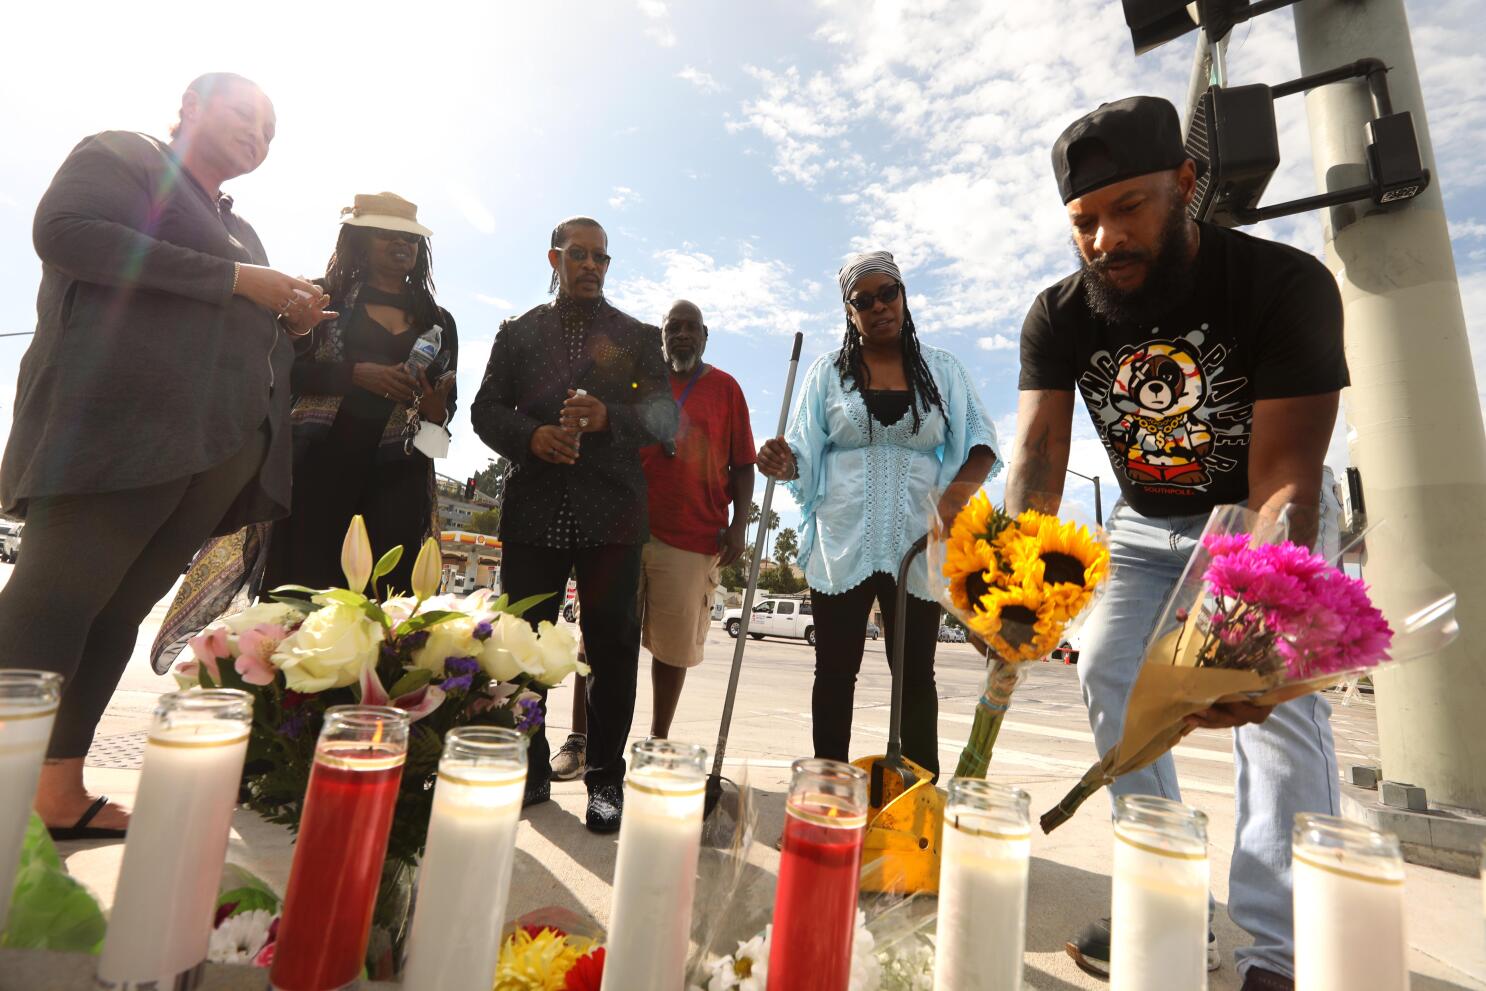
386,211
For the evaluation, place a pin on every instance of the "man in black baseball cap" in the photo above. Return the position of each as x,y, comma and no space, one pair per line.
1210,362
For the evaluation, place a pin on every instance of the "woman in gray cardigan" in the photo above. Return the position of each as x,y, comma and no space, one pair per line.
151,405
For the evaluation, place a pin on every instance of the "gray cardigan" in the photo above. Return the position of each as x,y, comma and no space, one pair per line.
144,368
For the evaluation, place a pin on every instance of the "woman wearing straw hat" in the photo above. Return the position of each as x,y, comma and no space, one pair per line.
358,410
366,401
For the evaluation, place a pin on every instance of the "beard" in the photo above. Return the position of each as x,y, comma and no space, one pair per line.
686,365
1168,280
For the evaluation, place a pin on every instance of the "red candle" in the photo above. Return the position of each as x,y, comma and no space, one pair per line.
342,843
815,905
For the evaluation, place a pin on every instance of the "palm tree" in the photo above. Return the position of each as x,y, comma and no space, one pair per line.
753,515
769,526
786,546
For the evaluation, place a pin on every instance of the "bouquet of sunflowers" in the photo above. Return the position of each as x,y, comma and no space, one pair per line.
1017,583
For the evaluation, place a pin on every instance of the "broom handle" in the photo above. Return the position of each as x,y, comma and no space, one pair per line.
753,568
895,661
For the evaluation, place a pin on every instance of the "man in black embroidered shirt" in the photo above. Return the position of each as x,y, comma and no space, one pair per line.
1211,363
572,391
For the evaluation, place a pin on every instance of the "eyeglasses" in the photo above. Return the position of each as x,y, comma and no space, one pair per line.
407,236
581,255
865,301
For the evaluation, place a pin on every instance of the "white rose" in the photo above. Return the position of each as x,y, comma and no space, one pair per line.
451,638
261,614
330,650
400,609
559,654
512,649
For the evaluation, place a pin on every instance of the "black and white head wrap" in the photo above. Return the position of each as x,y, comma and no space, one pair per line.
864,264
922,389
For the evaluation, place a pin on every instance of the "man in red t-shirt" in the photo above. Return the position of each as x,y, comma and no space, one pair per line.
700,489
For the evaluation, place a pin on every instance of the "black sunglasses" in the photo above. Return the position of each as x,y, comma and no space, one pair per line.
580,255
386,235
865,301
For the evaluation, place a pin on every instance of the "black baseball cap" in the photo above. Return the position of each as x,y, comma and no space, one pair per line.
1121,140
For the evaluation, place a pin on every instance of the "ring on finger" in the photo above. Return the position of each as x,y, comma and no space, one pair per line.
583,422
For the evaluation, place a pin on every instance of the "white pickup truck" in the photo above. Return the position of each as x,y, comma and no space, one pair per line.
775,618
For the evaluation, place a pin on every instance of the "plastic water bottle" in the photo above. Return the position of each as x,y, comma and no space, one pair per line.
425,350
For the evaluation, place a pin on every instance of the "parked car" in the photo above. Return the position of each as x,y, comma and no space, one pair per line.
10,541
951,634
873,632
788,618
1065,652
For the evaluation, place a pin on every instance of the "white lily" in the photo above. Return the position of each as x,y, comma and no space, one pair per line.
356,555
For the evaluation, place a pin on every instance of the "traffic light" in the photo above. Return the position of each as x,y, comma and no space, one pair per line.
469,489
1233,135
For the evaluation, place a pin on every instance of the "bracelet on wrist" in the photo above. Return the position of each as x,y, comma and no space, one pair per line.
237,271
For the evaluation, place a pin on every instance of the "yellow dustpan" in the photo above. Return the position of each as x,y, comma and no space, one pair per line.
905,814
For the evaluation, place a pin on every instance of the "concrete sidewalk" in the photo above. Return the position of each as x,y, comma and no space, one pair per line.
1044,747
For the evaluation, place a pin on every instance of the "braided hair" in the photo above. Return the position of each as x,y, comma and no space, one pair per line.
350,265
560,234
921,385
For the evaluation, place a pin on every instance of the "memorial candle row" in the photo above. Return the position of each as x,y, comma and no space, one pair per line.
1348,880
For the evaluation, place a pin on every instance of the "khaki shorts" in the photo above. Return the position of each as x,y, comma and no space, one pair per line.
676,589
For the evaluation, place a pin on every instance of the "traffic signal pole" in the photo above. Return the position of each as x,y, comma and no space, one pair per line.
1414,410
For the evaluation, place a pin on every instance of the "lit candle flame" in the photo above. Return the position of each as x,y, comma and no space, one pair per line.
377,736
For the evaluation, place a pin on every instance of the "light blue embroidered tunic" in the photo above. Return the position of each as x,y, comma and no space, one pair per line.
864,501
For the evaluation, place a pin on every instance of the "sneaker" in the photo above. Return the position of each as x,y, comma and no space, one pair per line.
605,808
569,762
536,793
1090,950
1259,979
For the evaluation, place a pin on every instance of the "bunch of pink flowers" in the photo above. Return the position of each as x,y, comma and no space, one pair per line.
1280,608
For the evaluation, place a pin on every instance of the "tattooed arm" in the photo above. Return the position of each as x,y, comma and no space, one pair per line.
1039,459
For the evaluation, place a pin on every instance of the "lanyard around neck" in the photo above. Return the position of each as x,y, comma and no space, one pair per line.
690,382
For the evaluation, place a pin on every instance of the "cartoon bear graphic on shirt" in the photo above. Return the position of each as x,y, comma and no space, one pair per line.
1157,391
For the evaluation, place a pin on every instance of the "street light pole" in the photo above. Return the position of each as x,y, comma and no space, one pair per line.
1416,430
1098,498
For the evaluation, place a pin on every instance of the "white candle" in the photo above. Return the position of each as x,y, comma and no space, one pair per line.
655,874
1159,922
1348,891
28,705
982,888
161,921
465,875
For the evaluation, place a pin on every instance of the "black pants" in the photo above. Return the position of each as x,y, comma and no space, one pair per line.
608,587
94,565
840,635
338,478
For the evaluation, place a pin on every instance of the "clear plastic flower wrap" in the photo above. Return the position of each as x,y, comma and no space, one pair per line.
1257,619
1019,584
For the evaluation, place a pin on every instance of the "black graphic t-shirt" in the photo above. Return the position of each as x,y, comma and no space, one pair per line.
1173,401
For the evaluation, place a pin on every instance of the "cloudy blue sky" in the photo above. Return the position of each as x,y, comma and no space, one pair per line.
735,152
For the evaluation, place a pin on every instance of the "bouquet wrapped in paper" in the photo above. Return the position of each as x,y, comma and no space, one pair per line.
1017,583
1258,619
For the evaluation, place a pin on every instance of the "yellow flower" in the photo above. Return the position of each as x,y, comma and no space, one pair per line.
538,963
1018,623
969,559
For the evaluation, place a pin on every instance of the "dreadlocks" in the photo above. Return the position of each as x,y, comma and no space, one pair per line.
560,234
350,265
921,385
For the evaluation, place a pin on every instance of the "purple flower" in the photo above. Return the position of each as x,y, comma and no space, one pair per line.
415,641
483,630
530,717
459,673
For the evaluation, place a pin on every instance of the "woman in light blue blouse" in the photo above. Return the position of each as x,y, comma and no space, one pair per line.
881,426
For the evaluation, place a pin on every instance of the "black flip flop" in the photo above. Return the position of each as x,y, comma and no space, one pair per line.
80,830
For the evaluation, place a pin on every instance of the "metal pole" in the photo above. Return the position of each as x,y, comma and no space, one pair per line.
1413,409
1098,503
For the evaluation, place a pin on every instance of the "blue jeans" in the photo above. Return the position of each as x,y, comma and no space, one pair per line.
1283,766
